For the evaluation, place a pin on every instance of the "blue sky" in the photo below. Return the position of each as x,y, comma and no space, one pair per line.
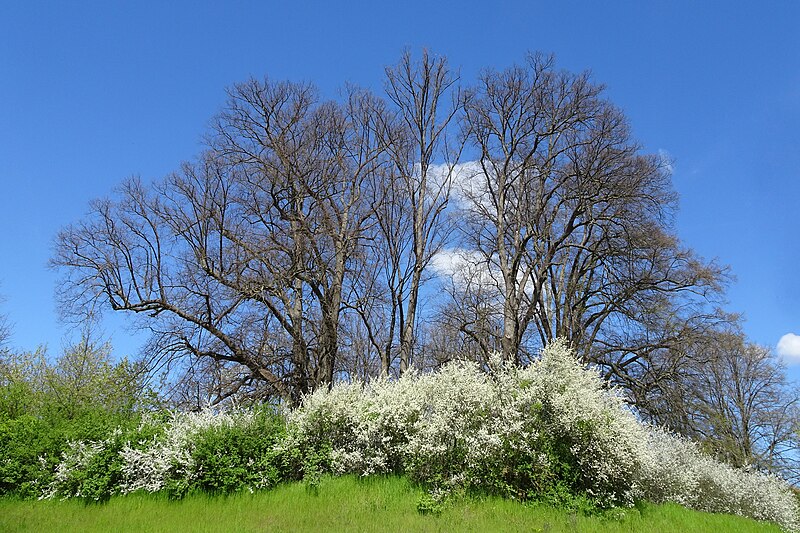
93,92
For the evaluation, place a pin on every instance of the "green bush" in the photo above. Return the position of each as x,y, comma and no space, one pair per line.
91,467
33,447
29,453
48,406
229,458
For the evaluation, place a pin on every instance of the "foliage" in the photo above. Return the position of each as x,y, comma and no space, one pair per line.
33,450
29,452
80,406
80,383
85,376
21,383
229,458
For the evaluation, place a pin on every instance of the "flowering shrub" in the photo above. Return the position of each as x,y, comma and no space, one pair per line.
590,423
674,469
166,461
549,431
521,432
87,470
32,446
92,469
215,452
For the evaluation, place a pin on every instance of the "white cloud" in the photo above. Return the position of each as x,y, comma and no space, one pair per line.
464,266
447,262
466,178
470,269
789,348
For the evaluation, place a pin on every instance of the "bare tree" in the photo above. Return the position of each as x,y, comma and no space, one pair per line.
521,209
410,202
418,91
305,186
470,325
5,331
243,256
743,408
571,221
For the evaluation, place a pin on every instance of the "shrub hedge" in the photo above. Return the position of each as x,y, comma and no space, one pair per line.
549,432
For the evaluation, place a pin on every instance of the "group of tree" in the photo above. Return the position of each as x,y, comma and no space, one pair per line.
315,240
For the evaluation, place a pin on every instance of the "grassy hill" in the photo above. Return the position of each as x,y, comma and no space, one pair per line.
346,504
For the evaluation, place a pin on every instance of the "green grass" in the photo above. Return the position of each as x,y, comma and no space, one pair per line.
343,504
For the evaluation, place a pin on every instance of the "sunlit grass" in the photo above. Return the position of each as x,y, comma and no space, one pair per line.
344,504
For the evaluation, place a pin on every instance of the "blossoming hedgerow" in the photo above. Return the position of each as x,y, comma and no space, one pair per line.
551,428
549,431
